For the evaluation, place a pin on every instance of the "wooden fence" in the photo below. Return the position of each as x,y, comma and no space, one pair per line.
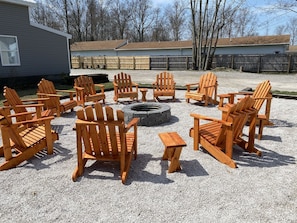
279,63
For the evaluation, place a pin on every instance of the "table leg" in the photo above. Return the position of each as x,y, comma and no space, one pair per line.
173,154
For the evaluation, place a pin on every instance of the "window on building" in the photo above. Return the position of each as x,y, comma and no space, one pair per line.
9,51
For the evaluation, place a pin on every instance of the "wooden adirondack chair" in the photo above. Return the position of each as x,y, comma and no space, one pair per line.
218,136
47,89
124,87
86,91
21,106
164,85
22,140
105,139
206,89
261,95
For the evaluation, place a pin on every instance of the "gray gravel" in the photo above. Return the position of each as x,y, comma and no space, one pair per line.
261,189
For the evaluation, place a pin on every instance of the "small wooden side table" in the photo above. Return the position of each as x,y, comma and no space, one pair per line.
143,91
173,147
229,96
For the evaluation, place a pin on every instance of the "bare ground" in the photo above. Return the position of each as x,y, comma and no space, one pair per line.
261,189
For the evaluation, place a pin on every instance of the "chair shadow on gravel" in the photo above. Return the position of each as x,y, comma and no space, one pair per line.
268,159
139,172
42,160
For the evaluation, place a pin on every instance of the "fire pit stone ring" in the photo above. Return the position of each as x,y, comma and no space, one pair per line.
150,114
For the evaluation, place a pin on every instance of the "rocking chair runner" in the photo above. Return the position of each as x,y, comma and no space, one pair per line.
206,89
47,89
86,91
22,140
219,136
20,106
124,87
164,85
105,139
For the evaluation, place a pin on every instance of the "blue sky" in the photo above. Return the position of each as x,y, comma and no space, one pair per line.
267,22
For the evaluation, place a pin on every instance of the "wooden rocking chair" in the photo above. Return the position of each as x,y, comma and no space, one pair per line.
218,136
124,87
86,91
164,85
105,139
261,95
47,89
206,89
22,140
21,106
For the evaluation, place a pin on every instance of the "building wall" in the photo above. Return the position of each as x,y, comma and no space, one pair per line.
93,53
255,50
156,52
41,52
245,50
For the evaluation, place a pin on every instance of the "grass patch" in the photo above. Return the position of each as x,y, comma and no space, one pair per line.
284,92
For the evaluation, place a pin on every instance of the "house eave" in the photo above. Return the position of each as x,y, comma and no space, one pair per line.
46,28
29,3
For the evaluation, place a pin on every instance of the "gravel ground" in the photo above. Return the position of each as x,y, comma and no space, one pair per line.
261,189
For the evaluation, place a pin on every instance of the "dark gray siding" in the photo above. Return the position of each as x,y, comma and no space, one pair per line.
41,52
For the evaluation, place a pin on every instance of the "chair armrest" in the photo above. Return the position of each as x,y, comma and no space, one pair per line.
133,122
191,84
49,95
66,91
198,116
101,86
29,105
38,120
20,114
34,100
78,88
135,84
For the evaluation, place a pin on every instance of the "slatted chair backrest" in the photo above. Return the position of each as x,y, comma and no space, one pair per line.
87,83
165,82
101,141
237,114
124,82
47,87
207,84
261,93
13,99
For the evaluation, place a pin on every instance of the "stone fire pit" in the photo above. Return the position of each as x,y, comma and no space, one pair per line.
150,114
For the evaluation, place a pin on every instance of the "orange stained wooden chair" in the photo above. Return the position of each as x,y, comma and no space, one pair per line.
124,87
47,89
164,85
206,89
24,106
103,136
262,96
86,90
218,136
22,140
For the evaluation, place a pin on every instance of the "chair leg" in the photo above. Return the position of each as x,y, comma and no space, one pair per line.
261,126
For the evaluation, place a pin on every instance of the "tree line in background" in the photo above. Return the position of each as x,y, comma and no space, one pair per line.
203,21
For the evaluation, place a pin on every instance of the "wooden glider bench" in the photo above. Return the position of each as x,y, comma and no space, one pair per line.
173,147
